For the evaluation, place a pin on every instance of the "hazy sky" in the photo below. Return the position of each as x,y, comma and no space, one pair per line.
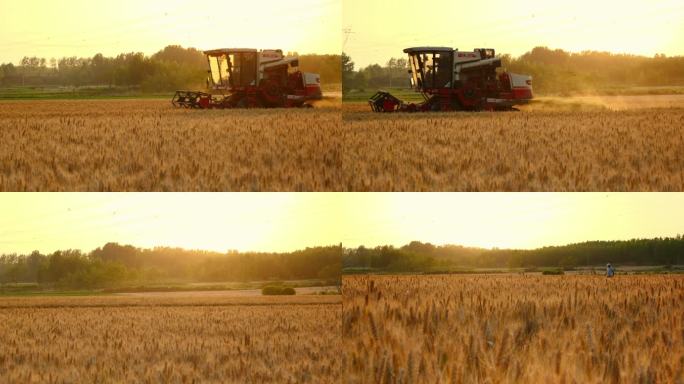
84,27
381,29
289,221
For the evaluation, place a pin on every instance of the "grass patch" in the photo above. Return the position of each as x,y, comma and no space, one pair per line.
99,92
51,293
329,292
34,289
78,93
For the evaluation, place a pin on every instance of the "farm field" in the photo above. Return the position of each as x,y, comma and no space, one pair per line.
146,145
227,293
108,339
510,329
620,143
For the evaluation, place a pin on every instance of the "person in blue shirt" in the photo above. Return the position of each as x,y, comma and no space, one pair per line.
610,271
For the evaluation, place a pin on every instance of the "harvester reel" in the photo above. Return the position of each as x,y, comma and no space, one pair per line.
191,99
383,101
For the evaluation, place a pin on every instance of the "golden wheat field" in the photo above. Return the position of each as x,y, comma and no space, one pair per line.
550,146
513,329
147,145
170,340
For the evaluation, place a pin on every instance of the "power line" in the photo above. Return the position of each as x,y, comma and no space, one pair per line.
347,32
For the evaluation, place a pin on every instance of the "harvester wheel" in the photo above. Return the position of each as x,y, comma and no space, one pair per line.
456,104
272,93
249,102
231,101
255,102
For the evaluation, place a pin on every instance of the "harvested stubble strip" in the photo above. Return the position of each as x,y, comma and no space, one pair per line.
194,301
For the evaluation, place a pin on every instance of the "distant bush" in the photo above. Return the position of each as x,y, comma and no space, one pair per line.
553,272
329,292
277,290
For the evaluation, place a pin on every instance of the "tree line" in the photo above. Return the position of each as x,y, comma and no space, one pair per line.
114,264
173,67
554,71
417,256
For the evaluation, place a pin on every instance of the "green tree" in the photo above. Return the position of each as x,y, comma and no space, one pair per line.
347,73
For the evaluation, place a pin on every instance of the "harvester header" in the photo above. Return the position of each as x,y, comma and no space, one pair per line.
450,80
249,78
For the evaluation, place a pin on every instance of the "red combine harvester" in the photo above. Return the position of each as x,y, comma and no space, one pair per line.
247,78
451,80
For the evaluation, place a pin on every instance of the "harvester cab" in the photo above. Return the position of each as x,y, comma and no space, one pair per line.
248,78
233,68
430,67
451,80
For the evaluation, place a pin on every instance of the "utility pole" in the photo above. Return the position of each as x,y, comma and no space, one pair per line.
347,32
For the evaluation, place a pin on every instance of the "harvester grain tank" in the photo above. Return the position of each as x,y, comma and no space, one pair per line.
452,80
248,78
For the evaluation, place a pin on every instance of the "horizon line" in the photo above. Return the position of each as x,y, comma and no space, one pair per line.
229,251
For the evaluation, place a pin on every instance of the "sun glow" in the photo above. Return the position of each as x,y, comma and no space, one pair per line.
290,221
641,27
240,221
83,28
